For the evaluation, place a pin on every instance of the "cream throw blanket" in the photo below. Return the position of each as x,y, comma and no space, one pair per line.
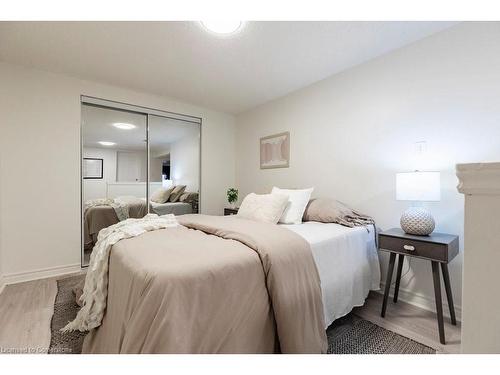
96,281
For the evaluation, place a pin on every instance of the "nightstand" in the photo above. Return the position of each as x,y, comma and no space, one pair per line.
438,248
230,211
195,207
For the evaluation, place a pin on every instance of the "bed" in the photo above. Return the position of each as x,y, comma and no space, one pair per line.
347,263
102,216
228,285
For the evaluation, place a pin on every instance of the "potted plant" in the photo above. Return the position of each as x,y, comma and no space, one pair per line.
232,197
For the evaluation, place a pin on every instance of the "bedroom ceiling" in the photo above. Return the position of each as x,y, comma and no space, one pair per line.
263,61
98,126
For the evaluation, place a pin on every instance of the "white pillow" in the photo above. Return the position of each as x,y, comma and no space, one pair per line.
297,203
266,207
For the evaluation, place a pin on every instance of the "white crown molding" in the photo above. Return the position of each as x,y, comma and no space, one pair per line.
479,178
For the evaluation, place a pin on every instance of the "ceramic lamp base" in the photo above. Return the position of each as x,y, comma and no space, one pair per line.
417,221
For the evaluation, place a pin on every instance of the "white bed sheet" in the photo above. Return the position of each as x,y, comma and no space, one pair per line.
347,263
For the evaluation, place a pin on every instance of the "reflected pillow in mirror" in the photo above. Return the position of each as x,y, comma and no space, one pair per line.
161,195
176,193
188,197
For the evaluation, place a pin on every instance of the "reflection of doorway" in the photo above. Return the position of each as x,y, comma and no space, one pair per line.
131,166
157,167
165,169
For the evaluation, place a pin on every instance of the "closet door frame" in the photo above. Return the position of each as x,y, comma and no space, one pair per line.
148,112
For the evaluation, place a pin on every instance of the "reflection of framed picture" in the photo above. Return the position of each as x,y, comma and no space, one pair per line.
275,151
92,168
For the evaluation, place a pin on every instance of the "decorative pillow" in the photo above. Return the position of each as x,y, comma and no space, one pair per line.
266,207
188,197
333,211
161,195
297,202
176,193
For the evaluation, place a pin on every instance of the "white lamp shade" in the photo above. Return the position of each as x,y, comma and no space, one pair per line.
418,186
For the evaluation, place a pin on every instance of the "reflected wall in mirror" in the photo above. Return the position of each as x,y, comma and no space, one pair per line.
174,149
118,138
131,156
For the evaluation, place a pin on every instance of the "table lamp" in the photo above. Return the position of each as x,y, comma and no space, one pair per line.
418,187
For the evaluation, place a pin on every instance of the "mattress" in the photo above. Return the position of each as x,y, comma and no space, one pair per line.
176,208
347,263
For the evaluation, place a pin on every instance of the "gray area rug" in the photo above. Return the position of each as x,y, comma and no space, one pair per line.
354,335
348,335
65,309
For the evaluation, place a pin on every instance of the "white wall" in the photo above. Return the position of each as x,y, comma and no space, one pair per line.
109,186
40,164
352,132
185,161
95,189
155,168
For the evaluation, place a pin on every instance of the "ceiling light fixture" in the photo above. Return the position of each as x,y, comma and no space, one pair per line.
222,26
106,143
124,125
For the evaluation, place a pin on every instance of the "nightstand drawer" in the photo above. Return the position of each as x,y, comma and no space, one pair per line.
414,248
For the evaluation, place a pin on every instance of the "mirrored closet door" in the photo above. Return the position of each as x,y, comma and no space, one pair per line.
114,165
174,149
135,161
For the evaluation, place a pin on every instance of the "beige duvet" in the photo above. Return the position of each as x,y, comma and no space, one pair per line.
213,285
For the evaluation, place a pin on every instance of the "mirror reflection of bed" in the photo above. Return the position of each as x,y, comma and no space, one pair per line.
116,178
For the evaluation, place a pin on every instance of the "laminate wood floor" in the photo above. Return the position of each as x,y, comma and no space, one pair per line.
26,311
25,314
412,322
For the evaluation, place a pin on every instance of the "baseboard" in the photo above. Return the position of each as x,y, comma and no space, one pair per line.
20,277
422,301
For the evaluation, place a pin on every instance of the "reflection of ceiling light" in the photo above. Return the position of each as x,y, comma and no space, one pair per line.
222,26
106,143
124,125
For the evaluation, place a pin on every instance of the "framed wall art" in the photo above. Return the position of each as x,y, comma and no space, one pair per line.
92,168
275,151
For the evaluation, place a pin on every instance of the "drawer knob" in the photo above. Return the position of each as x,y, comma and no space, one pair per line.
409,247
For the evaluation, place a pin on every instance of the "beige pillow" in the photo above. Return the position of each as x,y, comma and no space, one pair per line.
188,197
266,207
332,211
324,210
176,193
161,195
